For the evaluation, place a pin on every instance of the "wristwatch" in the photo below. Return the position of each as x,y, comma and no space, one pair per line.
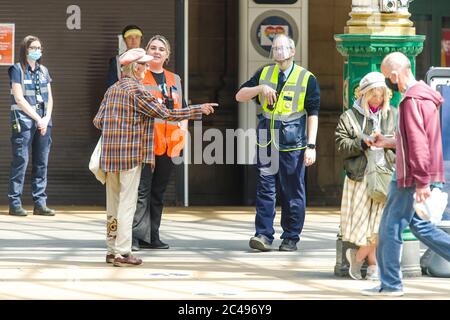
311,145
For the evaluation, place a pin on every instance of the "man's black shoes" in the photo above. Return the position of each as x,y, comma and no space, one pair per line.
260,242
288,245
137,245
43,211
158,244
19,212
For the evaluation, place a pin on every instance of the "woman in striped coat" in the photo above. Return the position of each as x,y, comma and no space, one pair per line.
360,214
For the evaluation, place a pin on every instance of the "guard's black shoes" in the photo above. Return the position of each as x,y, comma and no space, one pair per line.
260,242
43,211
158,244
19,211
288,245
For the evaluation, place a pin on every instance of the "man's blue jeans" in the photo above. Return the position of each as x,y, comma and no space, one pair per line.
398,214
40,148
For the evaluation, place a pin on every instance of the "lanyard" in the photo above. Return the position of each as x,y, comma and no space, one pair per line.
37,86
163,86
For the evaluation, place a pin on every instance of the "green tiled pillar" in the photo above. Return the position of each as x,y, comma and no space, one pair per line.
363,53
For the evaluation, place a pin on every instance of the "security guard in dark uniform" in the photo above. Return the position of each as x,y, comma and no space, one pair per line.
31,109
289,98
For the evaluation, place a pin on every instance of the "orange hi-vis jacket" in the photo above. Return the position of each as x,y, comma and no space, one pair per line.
168,135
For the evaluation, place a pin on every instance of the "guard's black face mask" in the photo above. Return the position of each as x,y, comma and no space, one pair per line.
391,85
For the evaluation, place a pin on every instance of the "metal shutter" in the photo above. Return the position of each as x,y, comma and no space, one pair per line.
78,62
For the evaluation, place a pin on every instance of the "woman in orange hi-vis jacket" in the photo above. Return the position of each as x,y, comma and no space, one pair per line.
168,143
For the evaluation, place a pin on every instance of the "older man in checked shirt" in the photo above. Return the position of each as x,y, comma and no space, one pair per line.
126,118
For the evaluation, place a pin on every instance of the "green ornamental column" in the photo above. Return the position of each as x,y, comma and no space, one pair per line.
363,53
374,31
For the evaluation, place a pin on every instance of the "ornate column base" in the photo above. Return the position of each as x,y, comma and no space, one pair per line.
376,23
389,31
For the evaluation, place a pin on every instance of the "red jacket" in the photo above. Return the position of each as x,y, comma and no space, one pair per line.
419,149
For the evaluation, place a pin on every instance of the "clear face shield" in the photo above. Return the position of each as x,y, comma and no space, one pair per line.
281,50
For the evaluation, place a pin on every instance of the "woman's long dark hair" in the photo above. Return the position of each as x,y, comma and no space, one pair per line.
23,52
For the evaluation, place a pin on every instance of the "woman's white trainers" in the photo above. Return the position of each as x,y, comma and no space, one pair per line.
372,273
355,267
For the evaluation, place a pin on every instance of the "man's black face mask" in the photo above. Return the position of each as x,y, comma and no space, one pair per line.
391,85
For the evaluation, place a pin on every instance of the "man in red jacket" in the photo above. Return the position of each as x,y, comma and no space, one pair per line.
419,168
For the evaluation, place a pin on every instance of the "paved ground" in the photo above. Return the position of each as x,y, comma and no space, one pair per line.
62,257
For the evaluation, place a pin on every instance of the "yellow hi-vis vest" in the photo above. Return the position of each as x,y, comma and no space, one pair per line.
290,105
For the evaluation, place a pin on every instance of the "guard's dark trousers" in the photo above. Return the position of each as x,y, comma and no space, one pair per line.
290,178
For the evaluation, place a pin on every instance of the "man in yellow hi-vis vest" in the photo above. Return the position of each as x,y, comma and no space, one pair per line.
288,99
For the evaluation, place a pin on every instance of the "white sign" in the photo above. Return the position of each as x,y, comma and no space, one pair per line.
268,33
